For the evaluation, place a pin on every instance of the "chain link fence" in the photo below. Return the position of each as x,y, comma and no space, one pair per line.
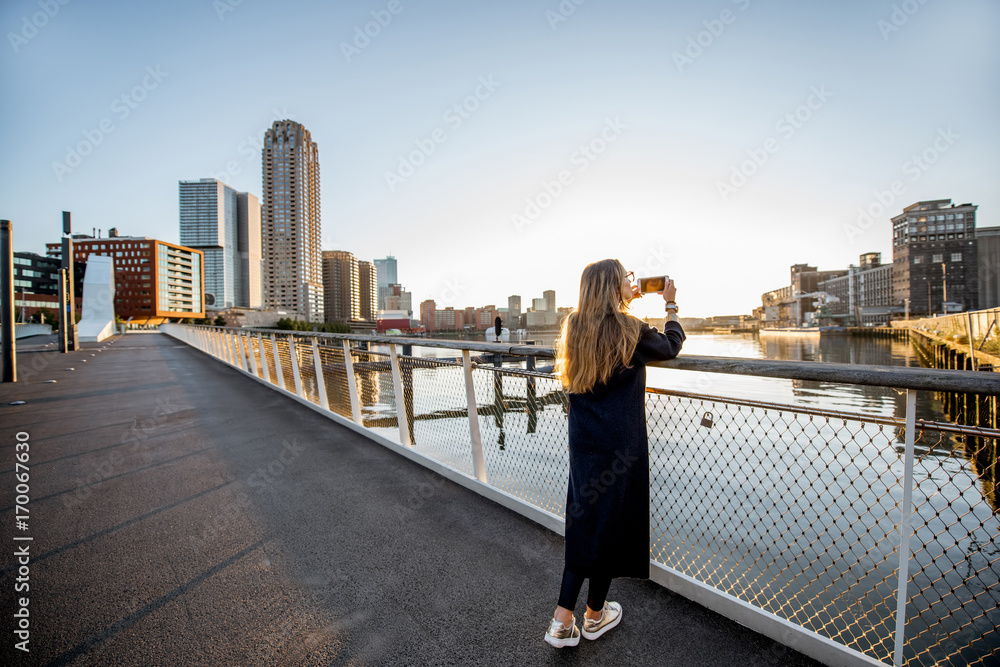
796,511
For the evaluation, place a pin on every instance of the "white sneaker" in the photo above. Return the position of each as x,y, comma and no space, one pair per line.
560,635
611,614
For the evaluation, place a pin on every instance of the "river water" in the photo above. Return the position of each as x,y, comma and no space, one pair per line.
794,512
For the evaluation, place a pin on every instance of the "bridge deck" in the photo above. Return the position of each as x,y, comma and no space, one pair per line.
185,515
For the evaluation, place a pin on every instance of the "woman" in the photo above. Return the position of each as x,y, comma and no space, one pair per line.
601,360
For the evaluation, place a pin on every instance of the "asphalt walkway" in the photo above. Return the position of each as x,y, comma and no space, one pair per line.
183,514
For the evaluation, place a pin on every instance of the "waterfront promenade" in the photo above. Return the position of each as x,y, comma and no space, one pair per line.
183,514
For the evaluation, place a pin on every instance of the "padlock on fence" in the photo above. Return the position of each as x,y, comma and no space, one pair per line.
708,420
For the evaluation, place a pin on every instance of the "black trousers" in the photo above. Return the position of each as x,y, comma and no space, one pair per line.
572,583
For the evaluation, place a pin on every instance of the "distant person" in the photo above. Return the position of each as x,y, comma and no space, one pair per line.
498,327
601,360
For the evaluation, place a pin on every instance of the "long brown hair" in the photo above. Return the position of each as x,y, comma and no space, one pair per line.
599,335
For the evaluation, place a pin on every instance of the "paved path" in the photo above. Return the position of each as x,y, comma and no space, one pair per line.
183,514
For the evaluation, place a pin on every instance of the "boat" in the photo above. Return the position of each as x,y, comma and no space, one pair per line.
491,335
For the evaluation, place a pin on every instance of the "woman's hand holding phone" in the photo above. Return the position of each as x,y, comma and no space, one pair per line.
669,291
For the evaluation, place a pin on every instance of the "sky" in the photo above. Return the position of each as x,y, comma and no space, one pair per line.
498,147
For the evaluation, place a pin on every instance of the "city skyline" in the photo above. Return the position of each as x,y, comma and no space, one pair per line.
506,147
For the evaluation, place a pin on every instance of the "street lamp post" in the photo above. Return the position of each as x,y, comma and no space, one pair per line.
67,321
9,352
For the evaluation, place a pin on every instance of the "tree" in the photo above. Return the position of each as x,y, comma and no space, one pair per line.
337,327
220,321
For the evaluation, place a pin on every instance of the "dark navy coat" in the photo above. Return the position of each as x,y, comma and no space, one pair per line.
607,505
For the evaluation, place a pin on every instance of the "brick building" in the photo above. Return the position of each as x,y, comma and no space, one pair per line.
935,258
154,280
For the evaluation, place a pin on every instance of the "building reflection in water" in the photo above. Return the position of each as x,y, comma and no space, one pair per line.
963,409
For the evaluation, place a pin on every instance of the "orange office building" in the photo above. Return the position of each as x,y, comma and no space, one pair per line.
154,280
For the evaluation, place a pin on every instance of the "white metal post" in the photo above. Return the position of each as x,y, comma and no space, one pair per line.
235,341
478,460
239,351
352,387
230,349
397,387
296,375
277,362
264,370
320,382
904,524
250,353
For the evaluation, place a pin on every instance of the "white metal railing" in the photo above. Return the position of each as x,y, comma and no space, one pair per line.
852,538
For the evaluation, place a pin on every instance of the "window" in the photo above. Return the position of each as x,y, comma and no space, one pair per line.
937,259
918,259
956,257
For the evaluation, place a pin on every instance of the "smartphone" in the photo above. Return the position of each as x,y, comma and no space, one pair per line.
652,284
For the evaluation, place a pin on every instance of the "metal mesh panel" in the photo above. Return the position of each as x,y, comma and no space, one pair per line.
267,351
307,369
331,354
953,592
375,392
251,347
797,512
764,504
524,438
434,394
285,361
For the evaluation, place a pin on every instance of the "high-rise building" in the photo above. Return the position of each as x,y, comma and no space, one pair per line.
397,298
341,287
935,257
386,270
250,244
539,305
485,317
225,226
514,308
427,310
292,260
550,300
368,290
154,280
